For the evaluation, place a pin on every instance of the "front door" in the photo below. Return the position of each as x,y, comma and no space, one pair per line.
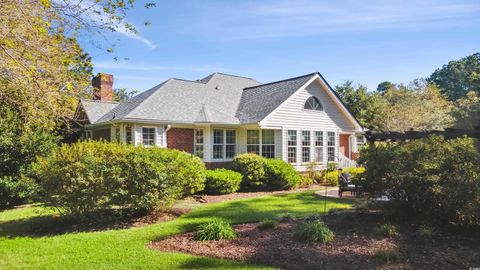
345,144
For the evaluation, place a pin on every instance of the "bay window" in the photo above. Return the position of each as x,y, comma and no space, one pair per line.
331,146
261,142
224,142
305,146
198,141
292,146
148,136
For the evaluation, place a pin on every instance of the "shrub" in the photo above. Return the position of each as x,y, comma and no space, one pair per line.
306,181
222,181
386,229
89,176
313,217
267,224
433,180
286,217
252,167
216,229
355,173
331,177
388,255
427,231
313,231
281,175
15,191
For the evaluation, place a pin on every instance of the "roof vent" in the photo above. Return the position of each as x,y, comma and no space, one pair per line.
217,88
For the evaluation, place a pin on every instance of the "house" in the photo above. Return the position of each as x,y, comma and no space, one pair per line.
298,120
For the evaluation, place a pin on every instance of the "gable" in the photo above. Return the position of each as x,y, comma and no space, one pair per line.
291,113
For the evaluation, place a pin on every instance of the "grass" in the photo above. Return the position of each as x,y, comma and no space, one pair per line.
267,224
388,255
387,229
216,229
126,249
313,231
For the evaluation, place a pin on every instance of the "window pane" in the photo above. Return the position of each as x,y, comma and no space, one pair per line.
305,138
128,134
292,154
318,138
199,151
292,138
268,136
331,138
331,153
199,136
319,154
218,151
148,135
230,136
218,136
253,136
230,151
253,149
313,103
268,151
305,154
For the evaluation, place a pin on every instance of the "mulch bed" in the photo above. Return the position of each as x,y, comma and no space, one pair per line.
354,247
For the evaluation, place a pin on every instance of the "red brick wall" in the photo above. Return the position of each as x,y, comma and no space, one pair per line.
101,134
181,139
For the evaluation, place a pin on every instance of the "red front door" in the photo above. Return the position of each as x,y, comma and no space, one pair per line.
345,144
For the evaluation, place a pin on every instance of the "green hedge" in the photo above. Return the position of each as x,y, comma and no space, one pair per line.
222,181
92,175
260,173
281,175
434,180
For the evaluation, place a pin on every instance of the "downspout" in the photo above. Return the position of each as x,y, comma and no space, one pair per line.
168,127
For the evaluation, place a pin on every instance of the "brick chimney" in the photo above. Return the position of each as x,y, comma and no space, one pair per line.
102,87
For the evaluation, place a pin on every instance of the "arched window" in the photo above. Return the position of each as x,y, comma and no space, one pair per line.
313,104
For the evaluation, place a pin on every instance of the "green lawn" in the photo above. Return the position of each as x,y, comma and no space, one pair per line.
125,249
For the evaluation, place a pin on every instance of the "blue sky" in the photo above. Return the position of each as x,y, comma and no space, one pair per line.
364,41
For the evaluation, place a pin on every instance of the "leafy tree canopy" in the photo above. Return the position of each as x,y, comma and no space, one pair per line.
466,111
358,100
384,86
457,78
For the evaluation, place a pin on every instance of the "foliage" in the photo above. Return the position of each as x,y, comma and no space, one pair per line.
466,111
314,231
216,229
457,78
358,101
18,149
331,177
431,179
281,175
122,94
355,173
267,224
427,231
313,217
89,176
306,181
386,229
252,167
384,86
286,217
390,255
222,181
419,105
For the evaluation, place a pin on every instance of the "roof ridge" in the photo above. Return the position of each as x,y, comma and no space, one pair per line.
99,101
233,75
285,80
185,80
153,89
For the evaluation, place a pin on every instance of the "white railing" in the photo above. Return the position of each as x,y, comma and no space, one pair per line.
345,162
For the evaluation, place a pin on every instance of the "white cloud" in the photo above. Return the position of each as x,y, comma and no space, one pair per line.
287,18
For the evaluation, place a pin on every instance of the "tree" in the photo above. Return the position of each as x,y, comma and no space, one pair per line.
466,111
384,86
419,105
358,101
457,78
122,94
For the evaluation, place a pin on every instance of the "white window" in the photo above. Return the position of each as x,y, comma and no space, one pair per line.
319,146
128,134
117,134
224,141
331,146
148,136
268,143
198,141
292,146
313,104
261,142
305,146
253,141
360,142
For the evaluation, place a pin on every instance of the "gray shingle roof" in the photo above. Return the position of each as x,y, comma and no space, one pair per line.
259,101
95,109
217,98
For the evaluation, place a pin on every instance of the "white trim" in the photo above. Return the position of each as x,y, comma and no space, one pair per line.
224,159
